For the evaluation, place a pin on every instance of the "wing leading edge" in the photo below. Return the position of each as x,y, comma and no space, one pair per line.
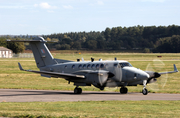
175,71
55,74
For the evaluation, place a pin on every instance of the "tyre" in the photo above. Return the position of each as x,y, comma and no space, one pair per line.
123,90
145,91
76,91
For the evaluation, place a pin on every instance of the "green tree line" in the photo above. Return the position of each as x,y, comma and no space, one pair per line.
120,38
144,38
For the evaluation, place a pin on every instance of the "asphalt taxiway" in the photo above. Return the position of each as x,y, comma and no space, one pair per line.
21,95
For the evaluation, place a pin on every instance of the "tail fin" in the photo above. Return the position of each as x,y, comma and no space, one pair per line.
41,53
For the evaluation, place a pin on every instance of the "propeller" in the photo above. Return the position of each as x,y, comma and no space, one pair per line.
152,69
116,71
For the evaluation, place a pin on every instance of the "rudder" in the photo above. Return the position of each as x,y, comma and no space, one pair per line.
41,53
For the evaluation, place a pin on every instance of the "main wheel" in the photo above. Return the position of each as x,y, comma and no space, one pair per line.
123,90
101,88
77,90
144,91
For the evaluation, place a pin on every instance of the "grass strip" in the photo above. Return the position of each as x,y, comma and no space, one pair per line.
91,109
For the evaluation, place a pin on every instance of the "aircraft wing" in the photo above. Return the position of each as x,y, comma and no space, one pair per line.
158,74
55,74
175,70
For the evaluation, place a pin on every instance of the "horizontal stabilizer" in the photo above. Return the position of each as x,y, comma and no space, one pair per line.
42,55
29,41
8,40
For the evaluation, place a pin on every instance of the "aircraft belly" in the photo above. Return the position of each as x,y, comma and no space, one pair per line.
135,83
113,84
75,80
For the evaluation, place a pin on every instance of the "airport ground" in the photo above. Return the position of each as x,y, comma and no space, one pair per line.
12,78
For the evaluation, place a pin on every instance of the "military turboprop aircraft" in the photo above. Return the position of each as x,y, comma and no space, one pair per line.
101,74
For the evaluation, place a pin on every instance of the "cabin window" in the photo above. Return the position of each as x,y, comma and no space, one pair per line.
102,66
80,66
93,66
84,66
73,66
88,66
97,66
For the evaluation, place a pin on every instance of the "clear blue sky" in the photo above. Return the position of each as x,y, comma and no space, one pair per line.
36,17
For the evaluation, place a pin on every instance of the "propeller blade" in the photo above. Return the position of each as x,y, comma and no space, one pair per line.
152,80
157,65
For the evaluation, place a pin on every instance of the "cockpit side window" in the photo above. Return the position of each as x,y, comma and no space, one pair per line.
125,64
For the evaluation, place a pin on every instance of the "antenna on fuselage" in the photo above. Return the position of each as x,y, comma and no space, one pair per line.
92,59
82,59
100,59
115,59
78,60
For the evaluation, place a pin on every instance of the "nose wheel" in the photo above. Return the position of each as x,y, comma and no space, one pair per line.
144,91
77,90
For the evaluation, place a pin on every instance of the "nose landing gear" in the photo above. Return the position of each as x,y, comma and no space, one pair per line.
144,91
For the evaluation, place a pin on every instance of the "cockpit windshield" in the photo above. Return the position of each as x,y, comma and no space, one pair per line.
125,64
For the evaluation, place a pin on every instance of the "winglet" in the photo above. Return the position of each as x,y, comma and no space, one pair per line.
20,67
175,69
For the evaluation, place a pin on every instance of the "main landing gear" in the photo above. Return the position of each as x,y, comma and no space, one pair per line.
123,90
77,90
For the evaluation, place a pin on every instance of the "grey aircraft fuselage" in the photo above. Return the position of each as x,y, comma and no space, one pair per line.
101,74
122,75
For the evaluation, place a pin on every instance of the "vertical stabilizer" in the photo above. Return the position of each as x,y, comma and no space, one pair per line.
41,53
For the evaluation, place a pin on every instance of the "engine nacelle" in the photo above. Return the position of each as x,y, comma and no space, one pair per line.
97,78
